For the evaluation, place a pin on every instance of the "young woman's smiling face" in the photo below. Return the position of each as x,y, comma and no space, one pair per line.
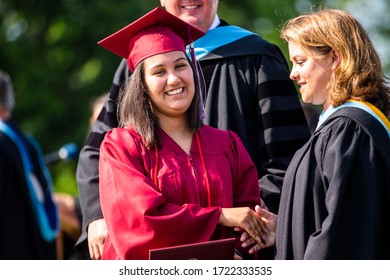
170,83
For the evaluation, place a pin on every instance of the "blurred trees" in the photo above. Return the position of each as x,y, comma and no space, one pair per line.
49,47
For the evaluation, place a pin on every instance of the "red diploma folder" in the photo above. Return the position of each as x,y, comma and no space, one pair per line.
222,249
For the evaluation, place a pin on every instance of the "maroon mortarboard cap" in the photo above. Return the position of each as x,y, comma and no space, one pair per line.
154,33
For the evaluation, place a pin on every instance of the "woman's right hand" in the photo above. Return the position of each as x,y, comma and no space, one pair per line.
269,221
246,219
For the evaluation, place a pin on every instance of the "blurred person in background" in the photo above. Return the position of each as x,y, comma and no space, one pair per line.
29,217
248,92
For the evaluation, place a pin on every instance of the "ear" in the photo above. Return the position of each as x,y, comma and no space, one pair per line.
336,59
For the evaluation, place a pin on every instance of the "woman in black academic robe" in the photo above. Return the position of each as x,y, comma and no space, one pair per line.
335,201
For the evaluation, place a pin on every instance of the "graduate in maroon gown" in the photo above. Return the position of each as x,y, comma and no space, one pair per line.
167,179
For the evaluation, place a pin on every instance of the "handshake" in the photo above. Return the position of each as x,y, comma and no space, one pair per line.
258,228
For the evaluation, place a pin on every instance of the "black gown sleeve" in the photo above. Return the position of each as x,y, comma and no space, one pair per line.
88,165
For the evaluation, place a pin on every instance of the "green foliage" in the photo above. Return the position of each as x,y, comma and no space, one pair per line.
50,50
63,174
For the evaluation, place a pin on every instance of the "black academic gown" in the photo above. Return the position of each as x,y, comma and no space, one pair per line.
20,238
249,91
335,202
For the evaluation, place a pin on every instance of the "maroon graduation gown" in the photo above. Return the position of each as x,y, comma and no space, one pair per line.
181,208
